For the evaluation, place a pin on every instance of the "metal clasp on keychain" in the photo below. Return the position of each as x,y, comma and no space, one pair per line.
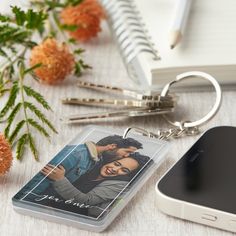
183,127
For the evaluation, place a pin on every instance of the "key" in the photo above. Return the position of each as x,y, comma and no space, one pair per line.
125,92
115,114
123,103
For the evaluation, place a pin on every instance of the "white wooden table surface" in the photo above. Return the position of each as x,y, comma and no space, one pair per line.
141,216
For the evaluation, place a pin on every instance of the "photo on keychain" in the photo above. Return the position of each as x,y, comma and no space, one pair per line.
91,174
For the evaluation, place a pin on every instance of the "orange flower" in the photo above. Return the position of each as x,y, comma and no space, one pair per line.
5,155
86,16
57,62
92,7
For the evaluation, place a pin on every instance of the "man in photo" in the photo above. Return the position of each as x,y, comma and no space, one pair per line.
81,158
95,189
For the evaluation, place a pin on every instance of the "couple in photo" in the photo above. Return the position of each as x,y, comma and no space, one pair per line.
91,174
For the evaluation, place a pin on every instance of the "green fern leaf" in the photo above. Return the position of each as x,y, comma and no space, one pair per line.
36,125
16,131
33,148
31,69
11,100
21,146
37,96
31,19
4,54
40,115
79,51
73,2
4,18
1,79
11,118
3,91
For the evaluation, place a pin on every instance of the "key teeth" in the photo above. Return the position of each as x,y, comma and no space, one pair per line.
115,114
141,104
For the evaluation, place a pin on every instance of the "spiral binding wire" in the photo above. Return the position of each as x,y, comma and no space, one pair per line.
129,31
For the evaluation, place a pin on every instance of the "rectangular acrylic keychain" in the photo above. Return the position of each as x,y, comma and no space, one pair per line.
92,178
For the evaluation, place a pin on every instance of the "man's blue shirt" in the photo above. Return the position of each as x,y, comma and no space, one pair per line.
75,159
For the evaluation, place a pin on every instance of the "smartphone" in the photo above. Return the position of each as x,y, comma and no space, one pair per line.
201,186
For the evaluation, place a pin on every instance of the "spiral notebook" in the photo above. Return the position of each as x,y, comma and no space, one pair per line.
141,29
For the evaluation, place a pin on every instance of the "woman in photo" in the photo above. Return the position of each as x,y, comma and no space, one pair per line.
98,187
76,160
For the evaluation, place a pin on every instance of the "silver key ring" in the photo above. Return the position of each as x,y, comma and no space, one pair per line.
211,113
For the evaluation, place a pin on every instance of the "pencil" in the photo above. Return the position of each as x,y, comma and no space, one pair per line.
180,19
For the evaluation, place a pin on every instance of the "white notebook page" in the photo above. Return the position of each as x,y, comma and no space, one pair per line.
209,38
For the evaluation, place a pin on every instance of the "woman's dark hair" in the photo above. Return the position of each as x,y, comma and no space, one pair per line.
120,142
143,161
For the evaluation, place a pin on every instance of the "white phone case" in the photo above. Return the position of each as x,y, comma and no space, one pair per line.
188,203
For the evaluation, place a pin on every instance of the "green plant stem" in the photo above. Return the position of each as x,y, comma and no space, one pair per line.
6,74
54,20
21,78
19,55
80,64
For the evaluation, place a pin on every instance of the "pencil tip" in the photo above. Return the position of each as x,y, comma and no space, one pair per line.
172,46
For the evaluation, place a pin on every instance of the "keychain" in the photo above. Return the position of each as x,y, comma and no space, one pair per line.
144,105
183,127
